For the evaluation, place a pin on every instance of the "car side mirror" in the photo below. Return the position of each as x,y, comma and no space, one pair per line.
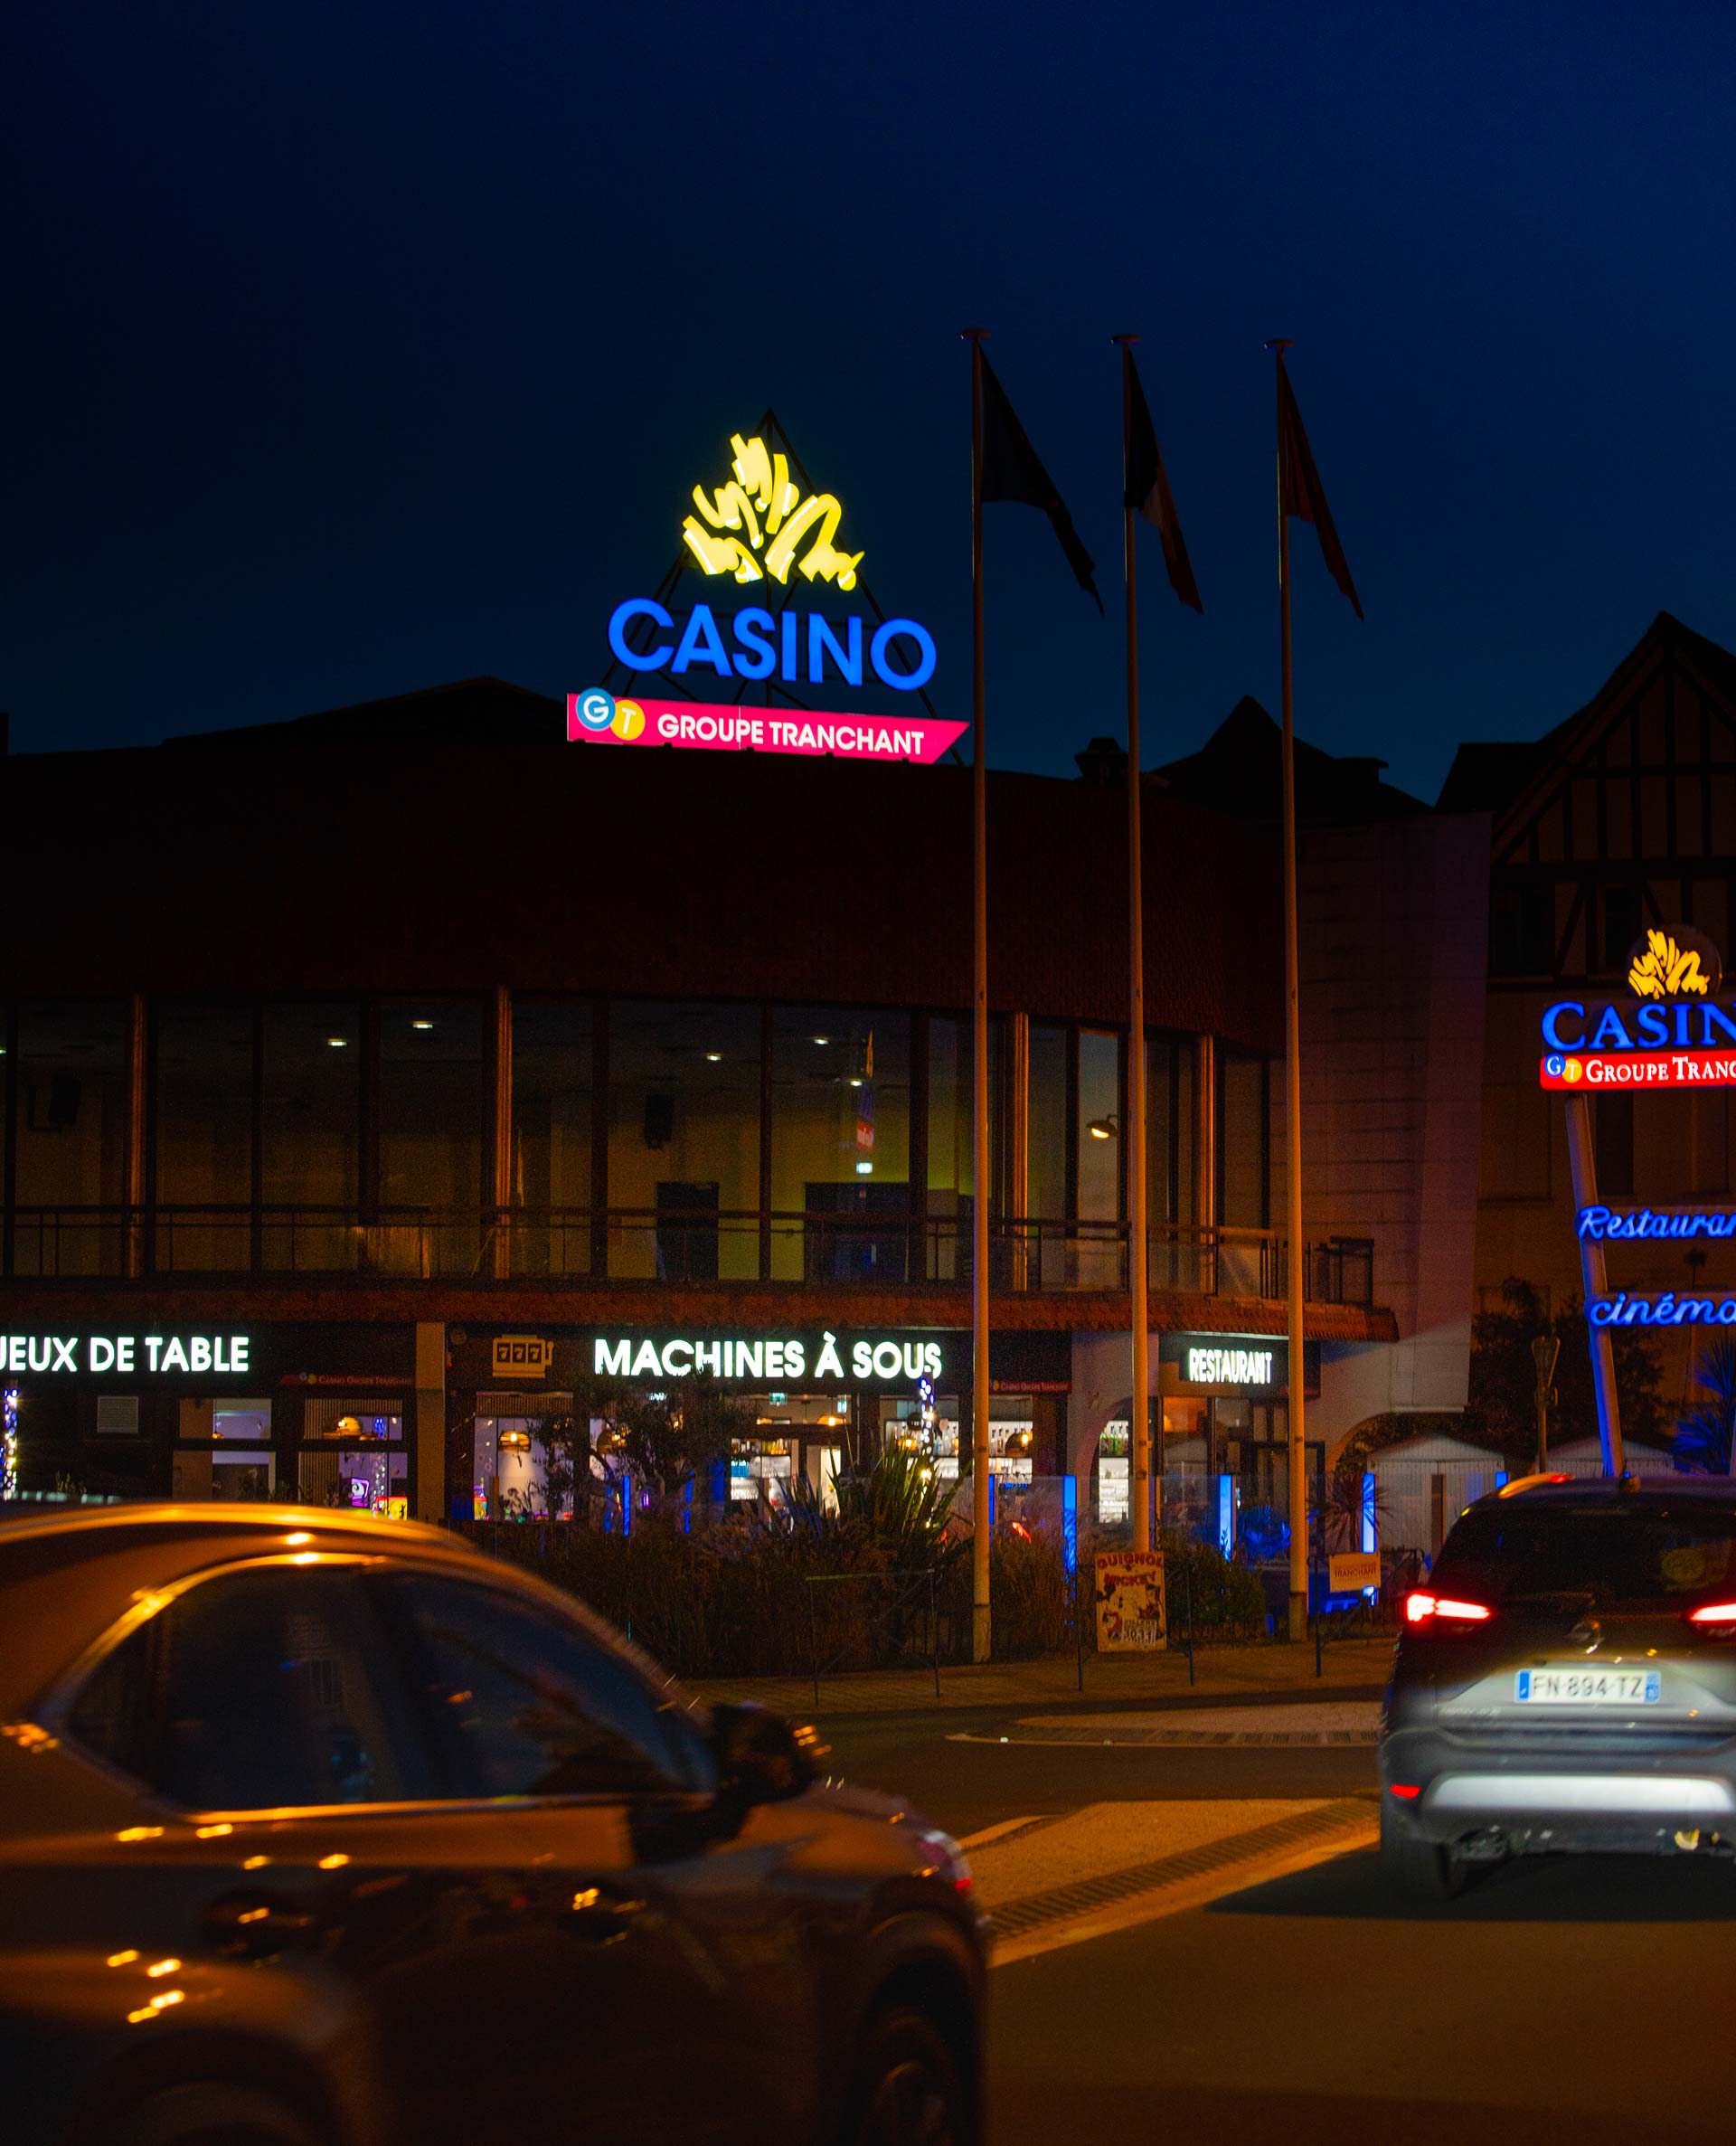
761,1758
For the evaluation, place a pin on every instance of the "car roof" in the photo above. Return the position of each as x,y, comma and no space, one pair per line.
26,1522
1600,1492
68,1575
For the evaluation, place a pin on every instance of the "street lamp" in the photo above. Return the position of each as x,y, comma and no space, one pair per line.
1544,1350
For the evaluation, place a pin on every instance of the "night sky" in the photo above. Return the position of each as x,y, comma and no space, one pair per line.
351,348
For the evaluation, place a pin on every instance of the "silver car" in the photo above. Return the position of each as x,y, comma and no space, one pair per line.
1566,1680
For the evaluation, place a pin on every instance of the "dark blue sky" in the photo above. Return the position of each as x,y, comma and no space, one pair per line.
357,347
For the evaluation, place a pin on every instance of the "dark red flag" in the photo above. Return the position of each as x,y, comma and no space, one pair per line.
1302,493
1148,492
1013,470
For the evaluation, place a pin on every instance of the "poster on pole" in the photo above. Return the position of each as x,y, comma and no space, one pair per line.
1130,1602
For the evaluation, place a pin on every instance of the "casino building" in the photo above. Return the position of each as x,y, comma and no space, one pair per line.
373,1079
1620,818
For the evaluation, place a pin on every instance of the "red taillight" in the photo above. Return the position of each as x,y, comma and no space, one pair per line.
1713,1613
1409,1790
1419,1608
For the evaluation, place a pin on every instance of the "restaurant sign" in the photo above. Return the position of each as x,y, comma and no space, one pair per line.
756,529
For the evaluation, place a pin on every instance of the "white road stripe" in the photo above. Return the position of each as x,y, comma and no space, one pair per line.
988,1833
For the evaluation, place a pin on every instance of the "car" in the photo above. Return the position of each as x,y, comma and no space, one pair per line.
1565,1679
320,1827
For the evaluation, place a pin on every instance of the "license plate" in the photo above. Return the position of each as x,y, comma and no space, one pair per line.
1589,1687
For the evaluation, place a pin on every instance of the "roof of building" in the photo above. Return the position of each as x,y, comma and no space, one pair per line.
1240,770
1489,776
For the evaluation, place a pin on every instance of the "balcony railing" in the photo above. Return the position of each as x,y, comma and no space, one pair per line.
675,1246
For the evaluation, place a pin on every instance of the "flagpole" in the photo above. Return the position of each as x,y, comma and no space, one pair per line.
1140,1300
979,1615
1297,1253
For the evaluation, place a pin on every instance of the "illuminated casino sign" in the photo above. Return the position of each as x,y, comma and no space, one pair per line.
777,1359
756,529
1674,1034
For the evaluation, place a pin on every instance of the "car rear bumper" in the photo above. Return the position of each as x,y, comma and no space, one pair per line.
1609,1798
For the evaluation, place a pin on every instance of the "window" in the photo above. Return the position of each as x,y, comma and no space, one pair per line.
839,1142
551,1133
1098,1128
684,1139
252,1692
432,1103
524,1703
1242,1144
71,1133
1522,931
205,1134
1621,925
312,1103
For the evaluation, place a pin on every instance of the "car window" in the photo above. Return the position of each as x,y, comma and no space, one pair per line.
528,1703
255,1690
1631,1557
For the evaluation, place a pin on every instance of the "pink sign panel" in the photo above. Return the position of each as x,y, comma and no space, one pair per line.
709,727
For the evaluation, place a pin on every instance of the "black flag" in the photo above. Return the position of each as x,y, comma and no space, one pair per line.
1302,492
1011,470
1148,492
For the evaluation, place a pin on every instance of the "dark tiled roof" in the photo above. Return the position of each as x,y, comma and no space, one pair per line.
1239,770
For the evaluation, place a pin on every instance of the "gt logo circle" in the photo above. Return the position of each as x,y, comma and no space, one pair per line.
1572,1070
628,721
597,709
1553,1067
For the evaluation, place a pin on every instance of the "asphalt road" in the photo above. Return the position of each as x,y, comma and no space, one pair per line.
965,1786
1561,2002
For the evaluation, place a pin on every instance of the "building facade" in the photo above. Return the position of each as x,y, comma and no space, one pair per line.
1620,818
374,1080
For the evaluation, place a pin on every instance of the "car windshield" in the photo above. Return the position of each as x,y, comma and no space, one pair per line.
1624,1557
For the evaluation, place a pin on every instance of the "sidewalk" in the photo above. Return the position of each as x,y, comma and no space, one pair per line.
1243,1672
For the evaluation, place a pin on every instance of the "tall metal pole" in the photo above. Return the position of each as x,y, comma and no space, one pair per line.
1595,1281
1140,1300
1297,1251
979,1616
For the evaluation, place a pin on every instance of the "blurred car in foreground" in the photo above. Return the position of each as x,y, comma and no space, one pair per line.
1566,1680
322,1828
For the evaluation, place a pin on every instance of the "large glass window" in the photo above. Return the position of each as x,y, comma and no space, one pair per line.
311,1117
552,1134
204,1136
433,1102
1169,1161
684,1140
1242,1144
1100,1150
71,1135
951,1146
840,1143
433,1106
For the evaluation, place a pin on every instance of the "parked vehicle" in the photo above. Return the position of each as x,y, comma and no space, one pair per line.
1566,1680
317,1828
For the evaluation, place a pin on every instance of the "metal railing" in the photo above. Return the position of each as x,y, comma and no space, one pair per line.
1028,1255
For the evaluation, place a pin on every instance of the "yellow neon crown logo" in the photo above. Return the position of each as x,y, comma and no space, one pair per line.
1666,971
769,511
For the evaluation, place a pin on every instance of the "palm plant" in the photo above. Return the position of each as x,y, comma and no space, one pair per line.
1703,1437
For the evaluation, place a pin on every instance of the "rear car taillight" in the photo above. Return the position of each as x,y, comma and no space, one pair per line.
1720,1613
1421,1608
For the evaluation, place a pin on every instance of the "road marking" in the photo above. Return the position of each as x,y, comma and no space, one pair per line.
1182,1894
988,1833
